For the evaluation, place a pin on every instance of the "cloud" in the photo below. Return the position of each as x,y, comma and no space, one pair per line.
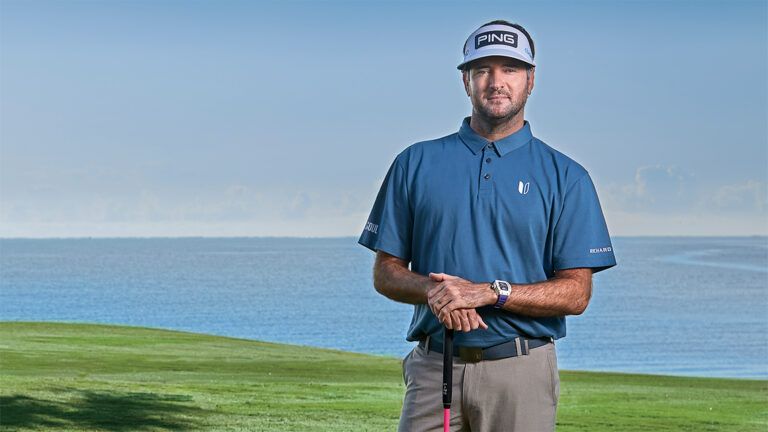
655,188
665,200
686,224
228,203
750,196
668,189
298,206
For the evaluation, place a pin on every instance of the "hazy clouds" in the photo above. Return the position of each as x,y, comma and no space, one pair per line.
248,118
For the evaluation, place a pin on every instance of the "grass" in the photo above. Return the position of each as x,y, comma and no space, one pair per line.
87,377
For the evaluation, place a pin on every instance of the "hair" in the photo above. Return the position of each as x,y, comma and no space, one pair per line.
513,25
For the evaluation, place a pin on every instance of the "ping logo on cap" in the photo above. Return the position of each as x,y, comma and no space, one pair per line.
496,37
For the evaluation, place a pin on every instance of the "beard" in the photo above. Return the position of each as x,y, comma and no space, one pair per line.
497,112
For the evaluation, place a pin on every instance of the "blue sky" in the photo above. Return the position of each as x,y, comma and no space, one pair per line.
222,118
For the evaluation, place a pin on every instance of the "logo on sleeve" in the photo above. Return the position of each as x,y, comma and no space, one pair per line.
600,250
496,37
372,227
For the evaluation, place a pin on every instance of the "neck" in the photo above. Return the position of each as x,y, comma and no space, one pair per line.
494,130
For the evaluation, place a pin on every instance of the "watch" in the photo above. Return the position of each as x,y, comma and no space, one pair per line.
502,289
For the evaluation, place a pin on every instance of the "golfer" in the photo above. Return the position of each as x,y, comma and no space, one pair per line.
502,234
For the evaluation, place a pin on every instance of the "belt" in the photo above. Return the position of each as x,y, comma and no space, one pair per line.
515,347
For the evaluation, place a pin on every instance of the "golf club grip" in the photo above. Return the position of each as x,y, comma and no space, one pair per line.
447,367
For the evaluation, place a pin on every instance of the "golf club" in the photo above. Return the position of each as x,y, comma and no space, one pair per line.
447,378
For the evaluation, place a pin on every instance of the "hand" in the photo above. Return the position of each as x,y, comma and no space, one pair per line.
454,310
452,293
464,320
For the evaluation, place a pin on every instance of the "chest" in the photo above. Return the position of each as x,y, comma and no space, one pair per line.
504,194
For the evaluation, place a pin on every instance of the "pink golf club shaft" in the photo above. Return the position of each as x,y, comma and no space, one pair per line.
447,378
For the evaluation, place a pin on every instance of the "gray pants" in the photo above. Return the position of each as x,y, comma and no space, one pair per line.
515,394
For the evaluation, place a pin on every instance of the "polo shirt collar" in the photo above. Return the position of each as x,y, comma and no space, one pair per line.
475,142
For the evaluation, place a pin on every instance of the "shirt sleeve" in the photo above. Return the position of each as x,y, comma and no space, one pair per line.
580,235
390,223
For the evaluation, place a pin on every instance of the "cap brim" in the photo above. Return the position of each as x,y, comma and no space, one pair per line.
494,53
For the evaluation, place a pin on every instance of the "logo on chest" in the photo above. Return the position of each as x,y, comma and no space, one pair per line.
523,187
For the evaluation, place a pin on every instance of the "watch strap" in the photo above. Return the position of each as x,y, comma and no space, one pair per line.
502,299
503,289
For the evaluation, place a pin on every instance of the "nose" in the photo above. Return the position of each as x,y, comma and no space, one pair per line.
494,79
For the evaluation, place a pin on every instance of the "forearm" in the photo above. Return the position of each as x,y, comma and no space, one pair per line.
567,293
564,294
393,279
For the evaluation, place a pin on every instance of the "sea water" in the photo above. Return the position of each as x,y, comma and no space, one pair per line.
682,306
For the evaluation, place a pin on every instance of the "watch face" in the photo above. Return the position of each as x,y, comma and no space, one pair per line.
504,286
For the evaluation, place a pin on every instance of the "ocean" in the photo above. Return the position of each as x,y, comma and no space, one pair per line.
694,306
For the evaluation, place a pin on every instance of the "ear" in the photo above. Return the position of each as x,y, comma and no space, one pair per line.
465,80
531,79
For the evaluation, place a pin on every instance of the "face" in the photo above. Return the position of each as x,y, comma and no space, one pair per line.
498,87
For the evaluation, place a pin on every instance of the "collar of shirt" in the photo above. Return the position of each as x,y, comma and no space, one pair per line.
475,142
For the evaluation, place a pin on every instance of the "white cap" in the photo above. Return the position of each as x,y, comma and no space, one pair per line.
497,40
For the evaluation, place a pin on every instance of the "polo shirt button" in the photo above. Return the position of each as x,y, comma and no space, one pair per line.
487,176
488,160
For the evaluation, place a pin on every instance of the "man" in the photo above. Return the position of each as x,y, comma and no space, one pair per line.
503,234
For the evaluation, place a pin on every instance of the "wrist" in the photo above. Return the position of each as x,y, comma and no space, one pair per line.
429,285
491,297
502,289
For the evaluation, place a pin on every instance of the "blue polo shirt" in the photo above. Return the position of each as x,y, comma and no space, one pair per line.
515,209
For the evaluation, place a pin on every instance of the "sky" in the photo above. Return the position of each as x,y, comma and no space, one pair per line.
245,118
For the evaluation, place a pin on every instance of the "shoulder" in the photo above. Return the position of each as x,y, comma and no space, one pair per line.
412,155
560,165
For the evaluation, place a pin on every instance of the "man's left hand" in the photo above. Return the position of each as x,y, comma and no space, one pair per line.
454,293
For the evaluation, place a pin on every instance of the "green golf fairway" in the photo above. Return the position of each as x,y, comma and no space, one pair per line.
87,377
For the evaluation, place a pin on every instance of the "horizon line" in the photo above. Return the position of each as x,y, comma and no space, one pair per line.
343,237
